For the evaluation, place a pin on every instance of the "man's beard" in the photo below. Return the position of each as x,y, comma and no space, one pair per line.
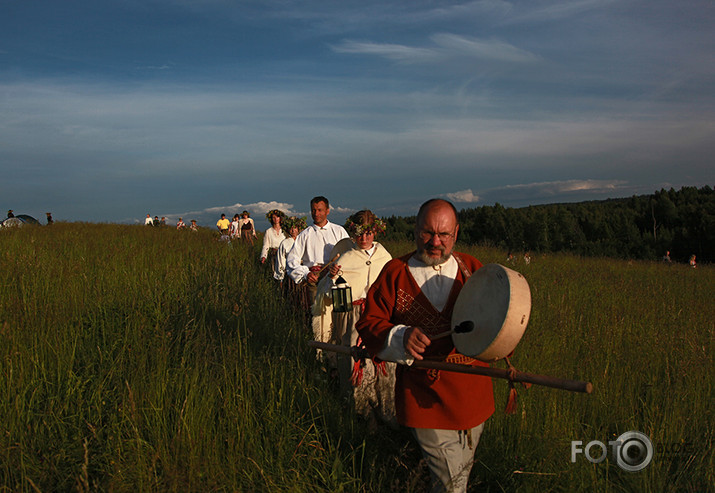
432,261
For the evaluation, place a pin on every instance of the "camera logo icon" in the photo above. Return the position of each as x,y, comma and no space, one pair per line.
635,451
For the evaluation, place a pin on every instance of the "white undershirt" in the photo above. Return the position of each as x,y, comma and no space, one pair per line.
436,284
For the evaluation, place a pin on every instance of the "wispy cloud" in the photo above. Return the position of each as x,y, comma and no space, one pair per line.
395,52
557,11
556,191
445,46
566,186
487,49
165,66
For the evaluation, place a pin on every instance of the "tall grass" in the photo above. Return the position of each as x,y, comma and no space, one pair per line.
149,359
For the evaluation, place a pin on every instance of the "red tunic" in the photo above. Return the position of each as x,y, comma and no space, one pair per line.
426,398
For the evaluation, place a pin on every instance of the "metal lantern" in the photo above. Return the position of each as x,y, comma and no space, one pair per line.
342,296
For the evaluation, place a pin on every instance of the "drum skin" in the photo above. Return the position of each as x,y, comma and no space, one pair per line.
498,301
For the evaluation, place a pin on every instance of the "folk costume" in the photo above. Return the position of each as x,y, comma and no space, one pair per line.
279,265
296,293
272,239
370,385
445,409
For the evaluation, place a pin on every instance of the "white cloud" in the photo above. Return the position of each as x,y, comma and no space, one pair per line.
463,196
395,52
253,208
342,210
447,46
490,49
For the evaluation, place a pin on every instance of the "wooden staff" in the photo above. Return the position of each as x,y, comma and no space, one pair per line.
331,262
545,380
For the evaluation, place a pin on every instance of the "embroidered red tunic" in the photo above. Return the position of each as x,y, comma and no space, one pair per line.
426,398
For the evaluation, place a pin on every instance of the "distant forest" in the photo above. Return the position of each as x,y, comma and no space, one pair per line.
639,227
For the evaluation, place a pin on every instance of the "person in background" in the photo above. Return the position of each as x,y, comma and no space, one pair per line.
666,257
235,227
410,302
273,237
370,385
156,221
180,224
248,229
49,218
163,220
222,225
10,214
148,221
692,262
193,226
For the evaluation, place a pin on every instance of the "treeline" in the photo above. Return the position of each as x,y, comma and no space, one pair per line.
640,227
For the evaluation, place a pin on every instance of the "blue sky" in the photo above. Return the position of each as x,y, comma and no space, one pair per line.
110,110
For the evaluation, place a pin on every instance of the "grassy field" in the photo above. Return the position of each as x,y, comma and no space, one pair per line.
150,359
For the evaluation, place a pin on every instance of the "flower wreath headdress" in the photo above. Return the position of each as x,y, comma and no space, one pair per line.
275,212
295,222
377,227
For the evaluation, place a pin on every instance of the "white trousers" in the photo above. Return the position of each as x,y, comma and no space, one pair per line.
449,455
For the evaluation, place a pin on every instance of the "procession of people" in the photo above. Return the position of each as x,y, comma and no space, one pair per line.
395,309
386,313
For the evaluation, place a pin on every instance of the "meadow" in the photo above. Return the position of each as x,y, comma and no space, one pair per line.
149,359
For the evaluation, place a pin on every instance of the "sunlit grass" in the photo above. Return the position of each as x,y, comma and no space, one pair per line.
136,358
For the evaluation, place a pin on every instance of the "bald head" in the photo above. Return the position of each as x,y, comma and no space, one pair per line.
436,231
435,203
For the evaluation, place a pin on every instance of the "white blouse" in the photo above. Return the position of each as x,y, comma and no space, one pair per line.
272,239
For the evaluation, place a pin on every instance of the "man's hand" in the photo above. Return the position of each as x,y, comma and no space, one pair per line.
415,342
312,277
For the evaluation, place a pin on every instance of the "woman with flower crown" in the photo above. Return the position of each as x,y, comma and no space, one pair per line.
359,261
273,237
295,292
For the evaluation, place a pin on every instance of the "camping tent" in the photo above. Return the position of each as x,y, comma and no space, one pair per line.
19,220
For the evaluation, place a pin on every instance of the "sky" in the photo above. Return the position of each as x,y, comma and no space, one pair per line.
114,109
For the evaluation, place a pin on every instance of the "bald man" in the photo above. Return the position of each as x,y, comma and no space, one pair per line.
411,301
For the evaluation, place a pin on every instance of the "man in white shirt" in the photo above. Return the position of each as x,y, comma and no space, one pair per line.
313,245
